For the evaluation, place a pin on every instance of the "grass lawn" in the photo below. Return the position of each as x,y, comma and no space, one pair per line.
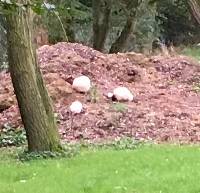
157,169
193,52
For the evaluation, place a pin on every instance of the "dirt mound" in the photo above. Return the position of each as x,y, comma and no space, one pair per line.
166,107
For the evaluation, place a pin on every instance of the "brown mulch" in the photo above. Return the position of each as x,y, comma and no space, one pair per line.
166,106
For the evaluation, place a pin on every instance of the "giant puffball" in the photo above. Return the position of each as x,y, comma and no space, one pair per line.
122,94
76,107
82,84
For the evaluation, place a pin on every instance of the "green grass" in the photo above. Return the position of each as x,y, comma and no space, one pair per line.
193,52
148,169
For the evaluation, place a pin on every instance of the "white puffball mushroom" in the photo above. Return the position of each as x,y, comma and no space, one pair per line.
76,107
110,95
122,94
82,84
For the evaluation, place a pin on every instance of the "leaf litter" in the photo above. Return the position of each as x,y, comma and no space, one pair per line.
166,107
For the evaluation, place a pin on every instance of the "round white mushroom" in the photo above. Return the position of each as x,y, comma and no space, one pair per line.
76,107
122,94
82,84
110,95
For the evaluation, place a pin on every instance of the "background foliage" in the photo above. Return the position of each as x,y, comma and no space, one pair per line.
3,55
176,22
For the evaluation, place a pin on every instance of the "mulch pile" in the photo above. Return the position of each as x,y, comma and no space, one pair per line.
166,105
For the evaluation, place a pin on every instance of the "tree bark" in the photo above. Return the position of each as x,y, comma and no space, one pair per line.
32,96
120,43
195,9
101,19
130,10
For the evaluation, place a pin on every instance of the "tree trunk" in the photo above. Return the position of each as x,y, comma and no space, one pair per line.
120,43
195,9
101,19
33,99
130,10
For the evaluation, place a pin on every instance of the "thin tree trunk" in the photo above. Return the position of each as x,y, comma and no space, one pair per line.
121,41
33,100
130,10
101,19
195,8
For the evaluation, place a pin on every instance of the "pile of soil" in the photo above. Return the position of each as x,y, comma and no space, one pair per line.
166,105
